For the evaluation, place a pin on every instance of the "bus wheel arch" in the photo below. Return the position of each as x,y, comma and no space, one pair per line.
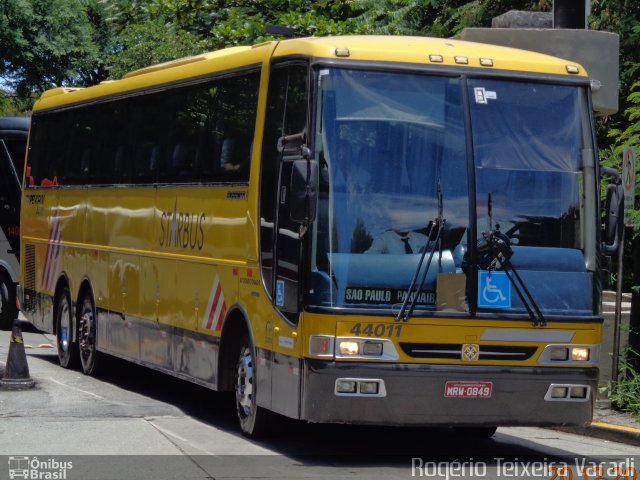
8,309
234,327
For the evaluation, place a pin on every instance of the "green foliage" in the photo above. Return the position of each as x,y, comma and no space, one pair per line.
10,106
149,43
47,43
625,393
626,136
438,18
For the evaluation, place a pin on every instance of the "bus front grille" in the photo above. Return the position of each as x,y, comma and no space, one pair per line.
454,351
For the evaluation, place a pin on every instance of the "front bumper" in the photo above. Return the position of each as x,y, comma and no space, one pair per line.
415,395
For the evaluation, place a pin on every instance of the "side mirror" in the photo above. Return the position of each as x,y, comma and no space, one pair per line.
304,191
613,218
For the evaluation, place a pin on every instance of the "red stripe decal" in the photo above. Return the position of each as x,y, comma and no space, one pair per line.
214,305
223,312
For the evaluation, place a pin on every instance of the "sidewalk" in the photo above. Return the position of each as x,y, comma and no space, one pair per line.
609,424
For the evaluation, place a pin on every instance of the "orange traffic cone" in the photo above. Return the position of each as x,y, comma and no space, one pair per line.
16,374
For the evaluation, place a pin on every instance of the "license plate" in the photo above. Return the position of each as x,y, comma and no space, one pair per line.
468,389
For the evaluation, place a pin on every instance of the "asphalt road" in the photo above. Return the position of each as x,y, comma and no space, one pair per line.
136,423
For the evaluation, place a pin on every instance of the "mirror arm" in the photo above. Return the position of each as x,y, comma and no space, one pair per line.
611,249
286,139
610,171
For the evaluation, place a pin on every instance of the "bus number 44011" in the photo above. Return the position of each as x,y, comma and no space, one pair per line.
378,330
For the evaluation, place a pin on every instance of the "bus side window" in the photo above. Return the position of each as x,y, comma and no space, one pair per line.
6,200
183,161
232,124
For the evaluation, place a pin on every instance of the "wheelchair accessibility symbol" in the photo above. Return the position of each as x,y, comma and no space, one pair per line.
494,290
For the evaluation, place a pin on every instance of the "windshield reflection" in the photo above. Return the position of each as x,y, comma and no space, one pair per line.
534,171
383,142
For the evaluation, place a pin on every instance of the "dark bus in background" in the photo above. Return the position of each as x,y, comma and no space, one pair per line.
13,141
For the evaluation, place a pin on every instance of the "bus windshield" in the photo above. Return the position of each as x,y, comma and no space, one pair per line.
534,171
384,141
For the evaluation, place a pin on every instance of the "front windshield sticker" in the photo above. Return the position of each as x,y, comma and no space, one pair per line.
494,290
483,96
386,295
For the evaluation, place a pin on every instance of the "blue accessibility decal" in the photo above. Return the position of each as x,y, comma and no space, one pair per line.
280,293
494,290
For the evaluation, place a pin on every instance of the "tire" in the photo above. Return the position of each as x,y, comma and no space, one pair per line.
90,359
475,432
67,348
255,422
8,310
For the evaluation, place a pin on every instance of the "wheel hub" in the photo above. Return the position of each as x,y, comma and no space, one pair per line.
244,383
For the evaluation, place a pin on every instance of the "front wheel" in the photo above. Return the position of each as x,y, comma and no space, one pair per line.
8,310
254,420
67,348
87,335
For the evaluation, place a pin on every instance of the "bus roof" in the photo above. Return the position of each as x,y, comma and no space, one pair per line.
378,49
427,50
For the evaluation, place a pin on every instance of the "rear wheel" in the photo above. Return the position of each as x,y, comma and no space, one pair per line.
87,334
8,310
67,348
254,420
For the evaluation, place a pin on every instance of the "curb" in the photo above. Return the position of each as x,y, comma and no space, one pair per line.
607,431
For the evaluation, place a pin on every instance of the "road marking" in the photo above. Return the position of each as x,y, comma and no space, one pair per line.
168,433
616,427
74,388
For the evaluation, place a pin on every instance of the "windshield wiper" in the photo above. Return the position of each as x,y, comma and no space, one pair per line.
405,313
495,252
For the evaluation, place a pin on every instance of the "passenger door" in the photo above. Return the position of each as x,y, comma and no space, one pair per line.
280,237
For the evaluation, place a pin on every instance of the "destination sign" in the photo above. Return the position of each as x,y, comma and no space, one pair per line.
387,295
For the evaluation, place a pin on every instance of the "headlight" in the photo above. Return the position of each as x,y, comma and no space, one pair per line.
349,347
328,346
559,354
372,348
580,354
568,354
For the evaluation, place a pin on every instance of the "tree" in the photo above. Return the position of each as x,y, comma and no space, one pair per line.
438,18
48,43
143,44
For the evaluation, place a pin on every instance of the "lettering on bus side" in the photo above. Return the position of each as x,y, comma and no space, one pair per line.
182,229
35,199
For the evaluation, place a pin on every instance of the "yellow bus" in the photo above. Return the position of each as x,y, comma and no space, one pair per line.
366,230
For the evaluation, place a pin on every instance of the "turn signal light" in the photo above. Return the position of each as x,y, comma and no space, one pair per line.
321,345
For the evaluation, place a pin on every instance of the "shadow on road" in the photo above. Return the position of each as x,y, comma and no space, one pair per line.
348,445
